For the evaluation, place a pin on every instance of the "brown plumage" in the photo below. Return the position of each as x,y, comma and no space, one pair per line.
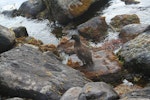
82,52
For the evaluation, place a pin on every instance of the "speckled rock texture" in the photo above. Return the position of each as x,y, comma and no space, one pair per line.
136,54
28,73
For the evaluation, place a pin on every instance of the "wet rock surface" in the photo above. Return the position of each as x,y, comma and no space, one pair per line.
94,29
136,54
7,39
130,31
28,73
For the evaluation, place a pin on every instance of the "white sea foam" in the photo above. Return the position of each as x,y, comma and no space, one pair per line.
38,29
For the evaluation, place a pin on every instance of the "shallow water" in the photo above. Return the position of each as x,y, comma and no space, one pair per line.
41,30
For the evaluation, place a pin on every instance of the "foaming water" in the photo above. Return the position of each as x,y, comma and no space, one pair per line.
117,7
10,4
37,29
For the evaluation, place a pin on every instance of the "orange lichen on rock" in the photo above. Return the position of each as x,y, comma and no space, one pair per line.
48,47
64,40
29,40
73,64
79,8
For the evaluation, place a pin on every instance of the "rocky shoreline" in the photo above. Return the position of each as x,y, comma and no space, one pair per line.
31,70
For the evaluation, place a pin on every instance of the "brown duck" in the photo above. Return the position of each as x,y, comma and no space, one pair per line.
82,52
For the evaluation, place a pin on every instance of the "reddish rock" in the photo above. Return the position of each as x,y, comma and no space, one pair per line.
121,20
110,45
73,64
95,28
66,45
106,67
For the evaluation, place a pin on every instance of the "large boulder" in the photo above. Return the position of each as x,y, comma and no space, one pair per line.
91,91
65,10
98,91
31,8
136,54
7,39
28,73
130,31
95,28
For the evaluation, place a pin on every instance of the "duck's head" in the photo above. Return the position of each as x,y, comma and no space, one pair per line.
76,38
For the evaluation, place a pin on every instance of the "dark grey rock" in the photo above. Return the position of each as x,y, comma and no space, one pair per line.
98,91
130,31
64,11
136,54
7,39
72,94
128,2
11,13
28,73
31,8
142,94
20,31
